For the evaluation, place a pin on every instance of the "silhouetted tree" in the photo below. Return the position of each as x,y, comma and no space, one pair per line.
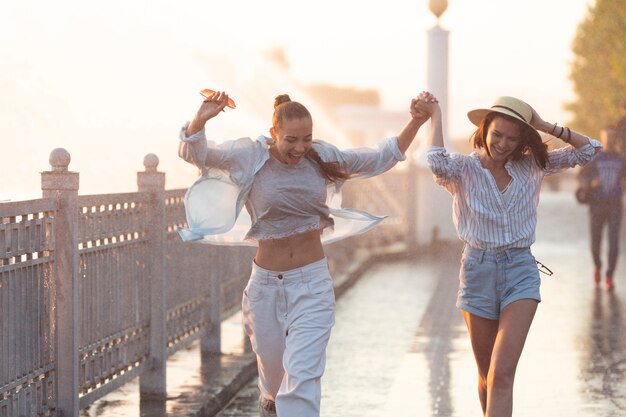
599,68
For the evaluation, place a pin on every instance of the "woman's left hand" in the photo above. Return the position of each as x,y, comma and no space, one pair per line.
538,123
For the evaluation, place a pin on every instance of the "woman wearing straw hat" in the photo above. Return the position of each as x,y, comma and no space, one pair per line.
287,183
495,194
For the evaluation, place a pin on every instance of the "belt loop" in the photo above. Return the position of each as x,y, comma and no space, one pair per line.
481,256
508,255
264,277
303,275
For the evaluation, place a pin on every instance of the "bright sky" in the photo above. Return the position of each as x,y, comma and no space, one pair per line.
112,81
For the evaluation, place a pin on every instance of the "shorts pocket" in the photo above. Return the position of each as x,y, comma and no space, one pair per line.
253,291
321,286
468,262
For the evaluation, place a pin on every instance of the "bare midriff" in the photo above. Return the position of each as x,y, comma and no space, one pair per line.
291,252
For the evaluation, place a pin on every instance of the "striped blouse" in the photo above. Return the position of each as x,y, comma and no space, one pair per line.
484,217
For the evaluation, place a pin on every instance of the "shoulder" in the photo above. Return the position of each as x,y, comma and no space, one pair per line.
471,159
440,150
321,145
258,145
326,151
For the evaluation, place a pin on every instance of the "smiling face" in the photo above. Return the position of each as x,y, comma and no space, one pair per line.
294,138
503,138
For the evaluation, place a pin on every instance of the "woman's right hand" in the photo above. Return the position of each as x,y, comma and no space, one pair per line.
424,104
210,107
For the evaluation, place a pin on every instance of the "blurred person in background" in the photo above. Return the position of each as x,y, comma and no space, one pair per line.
604,178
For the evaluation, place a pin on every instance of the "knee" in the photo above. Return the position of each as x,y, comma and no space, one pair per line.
501,378
482,380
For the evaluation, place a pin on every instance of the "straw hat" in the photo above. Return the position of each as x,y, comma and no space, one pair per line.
510,106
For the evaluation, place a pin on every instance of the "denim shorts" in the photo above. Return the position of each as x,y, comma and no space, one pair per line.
490,280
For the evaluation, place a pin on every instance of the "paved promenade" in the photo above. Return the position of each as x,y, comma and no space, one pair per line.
400,347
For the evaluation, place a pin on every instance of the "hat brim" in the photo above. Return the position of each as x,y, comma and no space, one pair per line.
476,116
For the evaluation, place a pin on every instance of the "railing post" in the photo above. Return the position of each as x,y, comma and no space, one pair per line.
152,384
62,185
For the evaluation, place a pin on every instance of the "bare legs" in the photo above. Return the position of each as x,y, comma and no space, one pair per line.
497,346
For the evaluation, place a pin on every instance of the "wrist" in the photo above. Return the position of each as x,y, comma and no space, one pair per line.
193,128
548,128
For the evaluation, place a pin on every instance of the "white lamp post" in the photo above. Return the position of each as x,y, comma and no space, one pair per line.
434,204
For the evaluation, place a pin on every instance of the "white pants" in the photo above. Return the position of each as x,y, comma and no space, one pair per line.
288,317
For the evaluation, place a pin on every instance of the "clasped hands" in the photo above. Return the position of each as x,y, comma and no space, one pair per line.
424,106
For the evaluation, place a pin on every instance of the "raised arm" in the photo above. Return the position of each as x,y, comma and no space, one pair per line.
418,118
427,104
209,108
239,157
572,137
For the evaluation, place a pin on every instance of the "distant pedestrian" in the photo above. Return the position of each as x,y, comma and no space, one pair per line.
605,178
495,194
287,183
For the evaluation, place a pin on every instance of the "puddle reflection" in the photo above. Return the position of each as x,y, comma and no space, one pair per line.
603,367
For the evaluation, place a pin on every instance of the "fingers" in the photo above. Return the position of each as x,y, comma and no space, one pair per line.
424,105
427,97
218,97
215,102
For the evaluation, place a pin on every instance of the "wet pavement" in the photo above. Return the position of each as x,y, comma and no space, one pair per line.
400,348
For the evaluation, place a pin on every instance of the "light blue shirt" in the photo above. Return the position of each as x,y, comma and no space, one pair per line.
213,204
485,218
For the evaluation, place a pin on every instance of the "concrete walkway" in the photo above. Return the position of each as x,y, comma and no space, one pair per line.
400,347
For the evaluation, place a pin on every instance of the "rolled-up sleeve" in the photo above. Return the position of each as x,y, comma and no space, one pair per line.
444,166
194,148
239,157
569,156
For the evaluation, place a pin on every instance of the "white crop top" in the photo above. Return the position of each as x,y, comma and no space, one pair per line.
286,200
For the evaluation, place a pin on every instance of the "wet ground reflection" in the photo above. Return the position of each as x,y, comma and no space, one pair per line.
439,328
400,347
572,365
603,368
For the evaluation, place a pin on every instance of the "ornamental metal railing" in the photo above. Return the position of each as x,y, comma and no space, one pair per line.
96,290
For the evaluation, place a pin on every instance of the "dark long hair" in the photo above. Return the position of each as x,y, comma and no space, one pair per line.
531,140
285,109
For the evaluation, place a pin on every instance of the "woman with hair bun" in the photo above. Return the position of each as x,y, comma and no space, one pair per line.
287,183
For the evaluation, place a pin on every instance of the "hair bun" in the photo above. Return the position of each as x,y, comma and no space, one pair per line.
283,98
